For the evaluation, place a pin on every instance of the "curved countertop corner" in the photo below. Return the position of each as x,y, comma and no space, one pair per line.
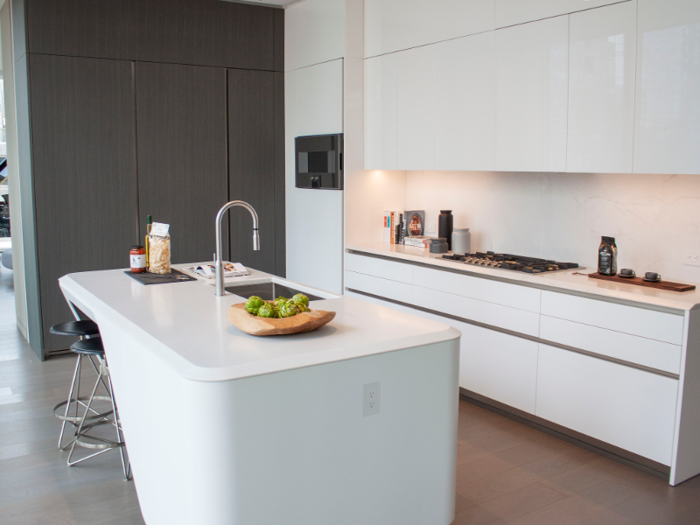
568,281
187,327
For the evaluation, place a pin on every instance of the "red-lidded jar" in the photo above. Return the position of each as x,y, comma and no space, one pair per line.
138,259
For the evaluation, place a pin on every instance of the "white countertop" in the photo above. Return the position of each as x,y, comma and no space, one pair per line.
567,280
187,326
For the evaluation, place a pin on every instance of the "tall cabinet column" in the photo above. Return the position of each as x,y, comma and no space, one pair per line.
181,138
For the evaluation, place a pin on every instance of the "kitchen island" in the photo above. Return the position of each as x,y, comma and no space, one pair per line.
226,428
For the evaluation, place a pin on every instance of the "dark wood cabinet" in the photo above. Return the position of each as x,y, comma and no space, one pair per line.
130,108
254,119
181,145
83,152
194,32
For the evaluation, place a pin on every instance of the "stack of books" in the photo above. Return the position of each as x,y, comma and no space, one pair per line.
394,227
419,241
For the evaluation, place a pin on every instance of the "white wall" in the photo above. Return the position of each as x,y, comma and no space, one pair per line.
654,218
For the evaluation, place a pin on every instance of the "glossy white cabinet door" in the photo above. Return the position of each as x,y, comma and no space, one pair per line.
465,80
499,366
667,120
319,99
415,148
628,408
395,25
531,96
314,32
511,12
602,52
492,364
380,113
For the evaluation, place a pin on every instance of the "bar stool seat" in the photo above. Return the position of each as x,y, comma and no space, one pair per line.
92,346
76,328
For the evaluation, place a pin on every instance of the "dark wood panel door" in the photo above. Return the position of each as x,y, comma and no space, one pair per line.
83,150
193,32
280,209
254,105
181,144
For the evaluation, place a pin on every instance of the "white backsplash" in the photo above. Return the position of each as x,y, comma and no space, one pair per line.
655,219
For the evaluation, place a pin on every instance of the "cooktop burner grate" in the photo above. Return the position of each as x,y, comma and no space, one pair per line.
507,261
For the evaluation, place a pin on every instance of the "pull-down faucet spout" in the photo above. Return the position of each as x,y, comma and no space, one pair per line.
218,263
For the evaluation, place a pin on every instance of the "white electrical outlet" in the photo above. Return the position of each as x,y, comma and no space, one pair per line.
692,260
372,399
430,228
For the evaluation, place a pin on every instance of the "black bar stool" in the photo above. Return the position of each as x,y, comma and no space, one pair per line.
93,348
83,330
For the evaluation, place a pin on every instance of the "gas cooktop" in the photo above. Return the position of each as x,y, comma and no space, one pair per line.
507,261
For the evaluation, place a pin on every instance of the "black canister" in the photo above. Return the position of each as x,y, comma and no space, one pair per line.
445,226
607,256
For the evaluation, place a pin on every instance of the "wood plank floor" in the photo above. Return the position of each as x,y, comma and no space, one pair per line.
507,473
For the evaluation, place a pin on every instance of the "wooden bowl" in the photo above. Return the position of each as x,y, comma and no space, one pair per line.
254,325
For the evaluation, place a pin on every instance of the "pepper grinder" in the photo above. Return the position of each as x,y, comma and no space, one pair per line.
445,226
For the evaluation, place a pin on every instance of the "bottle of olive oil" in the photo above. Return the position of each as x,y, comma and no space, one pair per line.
149,225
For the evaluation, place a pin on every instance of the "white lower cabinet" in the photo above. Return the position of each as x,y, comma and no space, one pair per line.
499,366
622,406
493,364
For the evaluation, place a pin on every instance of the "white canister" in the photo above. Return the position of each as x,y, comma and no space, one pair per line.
461,240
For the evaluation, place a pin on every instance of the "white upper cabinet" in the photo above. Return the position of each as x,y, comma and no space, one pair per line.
531,96
394,25
415,137
314,32
667,119
319,99
512,12
380,112
465,80
602,46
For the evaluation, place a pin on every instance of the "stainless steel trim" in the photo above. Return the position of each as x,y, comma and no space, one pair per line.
602,357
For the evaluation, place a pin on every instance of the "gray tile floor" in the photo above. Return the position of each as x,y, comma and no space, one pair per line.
506,472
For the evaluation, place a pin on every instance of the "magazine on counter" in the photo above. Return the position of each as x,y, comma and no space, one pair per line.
208,271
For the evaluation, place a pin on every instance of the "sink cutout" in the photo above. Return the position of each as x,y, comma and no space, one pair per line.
268,291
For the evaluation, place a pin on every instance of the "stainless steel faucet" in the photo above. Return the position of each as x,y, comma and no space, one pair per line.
218,263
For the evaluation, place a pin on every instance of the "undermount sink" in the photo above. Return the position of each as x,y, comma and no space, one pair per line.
268,291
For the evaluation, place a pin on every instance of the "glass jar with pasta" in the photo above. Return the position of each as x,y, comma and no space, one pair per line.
159,249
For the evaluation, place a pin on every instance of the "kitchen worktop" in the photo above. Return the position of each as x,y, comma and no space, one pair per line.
571,281
187,326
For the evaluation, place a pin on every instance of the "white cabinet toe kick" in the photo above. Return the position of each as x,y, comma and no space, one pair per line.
622,378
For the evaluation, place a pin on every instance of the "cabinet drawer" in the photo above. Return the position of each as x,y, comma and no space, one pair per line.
499,366
479,311
378,286
492,364
628,408
488,290
621,318
618,345
394,271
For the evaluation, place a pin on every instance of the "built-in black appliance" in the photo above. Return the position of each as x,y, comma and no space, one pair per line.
319,162
507,261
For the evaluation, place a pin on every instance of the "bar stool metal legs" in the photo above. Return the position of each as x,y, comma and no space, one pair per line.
82,329
91,422
77,402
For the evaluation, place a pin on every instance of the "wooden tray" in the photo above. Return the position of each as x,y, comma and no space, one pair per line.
254,325
661,285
